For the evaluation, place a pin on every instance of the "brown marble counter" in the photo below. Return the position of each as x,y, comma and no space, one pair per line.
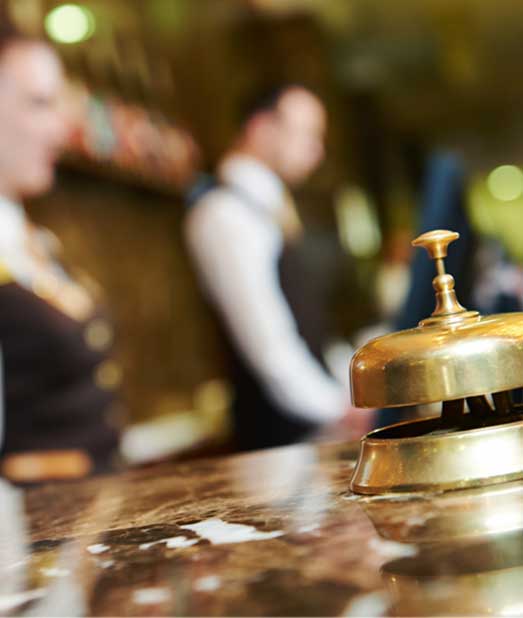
274,533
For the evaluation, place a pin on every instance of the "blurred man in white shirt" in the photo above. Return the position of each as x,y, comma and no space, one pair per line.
236,234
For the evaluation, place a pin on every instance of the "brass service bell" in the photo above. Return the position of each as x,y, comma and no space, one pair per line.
468,362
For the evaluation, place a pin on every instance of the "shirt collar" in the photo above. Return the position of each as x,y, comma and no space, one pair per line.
13,221
254,179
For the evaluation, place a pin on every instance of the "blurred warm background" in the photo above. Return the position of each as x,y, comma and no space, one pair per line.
157,86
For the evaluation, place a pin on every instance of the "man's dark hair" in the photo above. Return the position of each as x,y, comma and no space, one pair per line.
266,99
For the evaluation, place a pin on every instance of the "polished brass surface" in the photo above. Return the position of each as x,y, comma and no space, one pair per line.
436,243
454,354
438,363
438,461
456,357
447,305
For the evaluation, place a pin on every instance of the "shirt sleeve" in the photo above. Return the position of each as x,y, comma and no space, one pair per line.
241,278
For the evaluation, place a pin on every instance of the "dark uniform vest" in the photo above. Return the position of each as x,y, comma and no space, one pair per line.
54,398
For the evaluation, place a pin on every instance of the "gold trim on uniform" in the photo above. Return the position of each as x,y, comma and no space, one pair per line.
98,334
108,375
62,292
36,466
5,275
67,297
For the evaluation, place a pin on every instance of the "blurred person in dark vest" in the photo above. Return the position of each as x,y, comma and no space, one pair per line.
237,230
54,341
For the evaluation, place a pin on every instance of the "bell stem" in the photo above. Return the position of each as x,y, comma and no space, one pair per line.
440,266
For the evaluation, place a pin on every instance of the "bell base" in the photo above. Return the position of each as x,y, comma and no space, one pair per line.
425,456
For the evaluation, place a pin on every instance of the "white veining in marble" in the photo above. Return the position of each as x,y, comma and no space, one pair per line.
150,596
98,548
219,532
172,543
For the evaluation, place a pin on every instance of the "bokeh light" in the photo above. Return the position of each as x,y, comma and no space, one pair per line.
506,183
358,227
70,23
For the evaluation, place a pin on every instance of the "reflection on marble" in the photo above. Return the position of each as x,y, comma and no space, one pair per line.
477,578
263,534
447,516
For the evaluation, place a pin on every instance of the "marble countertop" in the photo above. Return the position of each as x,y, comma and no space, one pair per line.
274,533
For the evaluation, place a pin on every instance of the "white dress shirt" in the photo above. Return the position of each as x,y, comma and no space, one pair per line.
236,242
